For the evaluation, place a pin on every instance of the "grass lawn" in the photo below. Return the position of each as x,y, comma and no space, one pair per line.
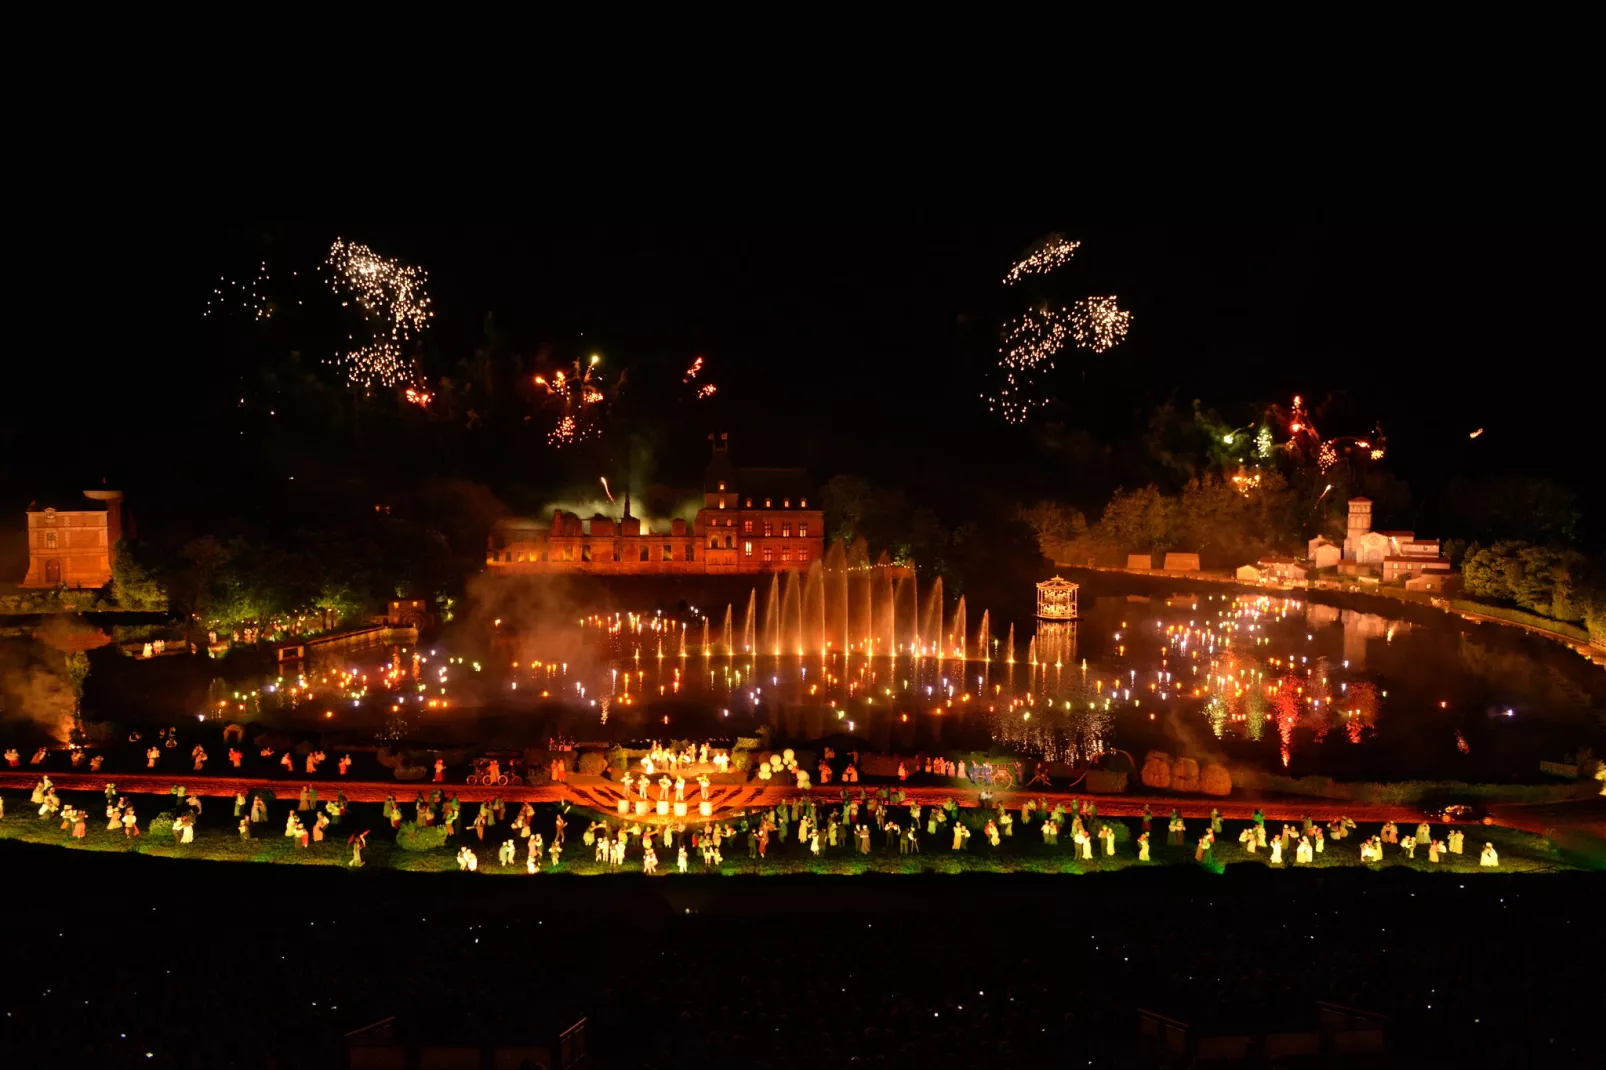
216,838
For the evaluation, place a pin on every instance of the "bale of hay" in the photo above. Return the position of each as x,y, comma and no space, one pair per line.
1157,771
1215,780
1185,775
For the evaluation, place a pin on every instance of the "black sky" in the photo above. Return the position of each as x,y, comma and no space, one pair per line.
868,347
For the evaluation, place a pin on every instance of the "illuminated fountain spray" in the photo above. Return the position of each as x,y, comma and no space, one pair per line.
957,638
749,625
984,638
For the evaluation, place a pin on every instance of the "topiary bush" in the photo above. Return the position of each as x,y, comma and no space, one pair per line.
161,825
593,763
414,837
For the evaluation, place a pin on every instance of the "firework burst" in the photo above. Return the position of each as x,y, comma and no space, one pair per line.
1025,357
575,395
1097,323
395,307
390,293
1047,255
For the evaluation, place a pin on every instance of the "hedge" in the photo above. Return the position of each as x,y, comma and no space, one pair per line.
1522,616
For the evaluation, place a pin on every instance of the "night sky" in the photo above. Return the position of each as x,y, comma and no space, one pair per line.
866,349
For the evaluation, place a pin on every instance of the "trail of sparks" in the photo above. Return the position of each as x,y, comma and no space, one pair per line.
1049,254
605,489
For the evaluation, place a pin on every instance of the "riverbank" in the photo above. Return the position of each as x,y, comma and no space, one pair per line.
1385,602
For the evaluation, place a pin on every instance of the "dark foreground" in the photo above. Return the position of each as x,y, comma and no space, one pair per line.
110,958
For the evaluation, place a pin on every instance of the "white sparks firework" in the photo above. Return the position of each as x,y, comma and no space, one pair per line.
380,364
1027,353
707,390
1049,254
391,297
1098,324
390,293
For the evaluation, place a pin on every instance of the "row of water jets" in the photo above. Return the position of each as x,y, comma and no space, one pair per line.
845,603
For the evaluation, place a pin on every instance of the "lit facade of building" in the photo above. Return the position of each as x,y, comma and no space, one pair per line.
752,520
74,547
1398,554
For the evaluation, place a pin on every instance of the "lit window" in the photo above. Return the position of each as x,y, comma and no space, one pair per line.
585,552
767,503
802,554
747,549
747,527
769,554
786,553
722,486
722,503
520,557
769,528
786,503
802,529
50,540
803,504
750,503
786,529
668,555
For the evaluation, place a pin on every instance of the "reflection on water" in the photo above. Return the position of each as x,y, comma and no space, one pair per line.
1268,680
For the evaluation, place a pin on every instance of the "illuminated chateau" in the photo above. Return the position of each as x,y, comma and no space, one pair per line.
752,520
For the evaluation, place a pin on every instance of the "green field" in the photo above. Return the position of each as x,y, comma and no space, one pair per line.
217,839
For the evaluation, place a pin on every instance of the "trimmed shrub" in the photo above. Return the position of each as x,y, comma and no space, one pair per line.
593,763
415,837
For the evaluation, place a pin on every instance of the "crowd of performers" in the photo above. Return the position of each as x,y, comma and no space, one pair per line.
860,821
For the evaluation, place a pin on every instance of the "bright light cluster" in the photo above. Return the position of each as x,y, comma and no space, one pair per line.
394,304
706,390
1030,343
1053,251
1098,323
379,364
389,292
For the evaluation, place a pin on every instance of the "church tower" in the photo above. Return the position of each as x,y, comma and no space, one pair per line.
1360,516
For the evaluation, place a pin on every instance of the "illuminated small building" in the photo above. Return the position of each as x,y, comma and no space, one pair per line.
1182,562
1324,552
1139,562
1056,599
74,547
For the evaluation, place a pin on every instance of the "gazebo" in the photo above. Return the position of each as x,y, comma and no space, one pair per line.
1056,599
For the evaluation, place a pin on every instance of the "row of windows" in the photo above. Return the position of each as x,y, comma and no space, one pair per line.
769,503
769,527
567,553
